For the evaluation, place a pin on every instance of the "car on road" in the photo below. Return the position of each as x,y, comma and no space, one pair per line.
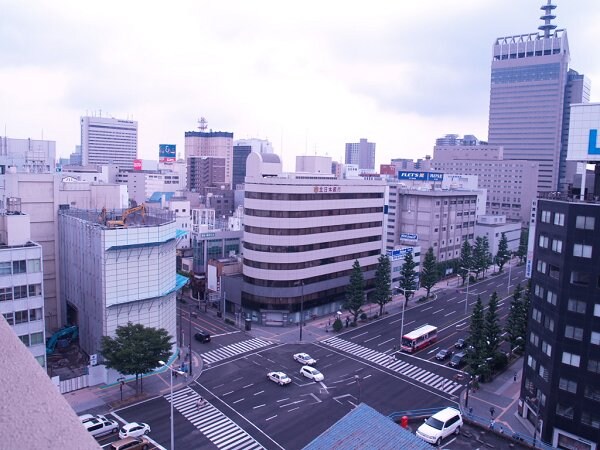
460,343
311,373
441,425
279,377
86,418
305,359
100,426
202,336
443,354
458,359
134,429
131,443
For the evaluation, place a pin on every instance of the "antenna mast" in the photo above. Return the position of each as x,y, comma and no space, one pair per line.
202,124
547,27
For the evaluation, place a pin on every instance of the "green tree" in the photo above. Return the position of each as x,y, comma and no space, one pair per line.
408,283
488,260
466,260
355,292
480,257
476,340
429,274
522,250
337,325
492,327
136,349
383,281
503,255
516,320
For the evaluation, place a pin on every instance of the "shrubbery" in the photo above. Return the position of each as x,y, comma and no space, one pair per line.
337,325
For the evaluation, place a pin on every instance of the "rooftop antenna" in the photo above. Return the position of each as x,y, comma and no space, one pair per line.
547,27
202,124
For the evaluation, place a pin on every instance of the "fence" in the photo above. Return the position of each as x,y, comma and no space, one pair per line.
73,384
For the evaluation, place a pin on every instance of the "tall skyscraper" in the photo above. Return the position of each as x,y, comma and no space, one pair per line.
211,144
530,92
361,153
106,140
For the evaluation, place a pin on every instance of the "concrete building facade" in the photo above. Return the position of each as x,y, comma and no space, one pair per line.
212,144
21,283
142,184
109,141
361,153
114,275
27,155
492,227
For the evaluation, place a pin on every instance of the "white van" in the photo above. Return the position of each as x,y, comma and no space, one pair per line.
101,425
441,425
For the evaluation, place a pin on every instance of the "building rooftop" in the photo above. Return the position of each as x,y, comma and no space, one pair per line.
122,218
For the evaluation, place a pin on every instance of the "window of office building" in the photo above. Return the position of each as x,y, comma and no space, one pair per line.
534,339
551,297
597,310
585,223
19,266
592,393
35,290
590,419
25,339
543,241
547,348
531,362
549,323
541,266
594,366
35,314
571,359
5,268
10,318
580,278
565,411
543,372
567,385
20,291
595,338
553,271
574,332
536,315
584,251
559,219
34,265
557,245
576,306
538,291
545,217
37,338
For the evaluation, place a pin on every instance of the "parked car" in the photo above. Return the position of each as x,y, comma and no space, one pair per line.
311,373
86,418
443,354
460,343
279,377
305,359
441,425
100,426
134,429
202,336
131,443
458,359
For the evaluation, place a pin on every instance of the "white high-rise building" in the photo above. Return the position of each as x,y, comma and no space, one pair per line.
107,140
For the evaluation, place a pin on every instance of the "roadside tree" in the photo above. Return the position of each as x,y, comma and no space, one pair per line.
503,255
492,327
355,292
429,274
516,322
136,349
383,280
408,283
522,250
476,340
466,260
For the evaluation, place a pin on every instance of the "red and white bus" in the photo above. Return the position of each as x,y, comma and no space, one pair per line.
419,338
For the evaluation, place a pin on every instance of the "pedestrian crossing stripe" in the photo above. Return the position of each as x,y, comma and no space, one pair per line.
231,350
212,423
411,371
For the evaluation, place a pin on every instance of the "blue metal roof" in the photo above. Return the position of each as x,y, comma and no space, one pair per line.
157,196
180,233
132,246
180,282
363,428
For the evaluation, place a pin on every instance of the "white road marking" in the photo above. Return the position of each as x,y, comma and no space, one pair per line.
450,313
269,418
219,385
225,334
259,406
227,393
238,379
293,409
259,392
366,377
439,310
283,400
237,401
375,337
361,334
427,309
291,403
394,321
385,342
433,350
248,385
408,323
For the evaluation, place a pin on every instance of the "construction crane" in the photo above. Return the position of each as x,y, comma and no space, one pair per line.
123,221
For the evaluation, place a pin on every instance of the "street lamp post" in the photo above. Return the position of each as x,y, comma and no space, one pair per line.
301,307
404,291
171,370
357,378
190,339
509,271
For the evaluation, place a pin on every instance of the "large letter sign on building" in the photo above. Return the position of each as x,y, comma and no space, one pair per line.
593,143
420,176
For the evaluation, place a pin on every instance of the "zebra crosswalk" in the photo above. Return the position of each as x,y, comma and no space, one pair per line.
238,348
212,423
411,371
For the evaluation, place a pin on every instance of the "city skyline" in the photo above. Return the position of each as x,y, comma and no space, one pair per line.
308,80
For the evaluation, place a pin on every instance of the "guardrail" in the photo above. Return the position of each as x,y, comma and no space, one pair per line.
414,413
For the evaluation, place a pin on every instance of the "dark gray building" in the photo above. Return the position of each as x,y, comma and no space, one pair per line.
240,154
203,172
560,391
362,154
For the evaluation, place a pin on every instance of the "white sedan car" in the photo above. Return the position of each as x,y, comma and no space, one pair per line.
134,429
279,377
312,373
305,359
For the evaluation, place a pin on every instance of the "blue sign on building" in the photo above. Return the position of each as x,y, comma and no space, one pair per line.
420,176
593,143
398,254
409,236
167,152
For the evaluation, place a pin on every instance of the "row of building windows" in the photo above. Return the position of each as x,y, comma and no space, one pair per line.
309,247
313,197
20,266
24,316
587,418
581,222
17,292
313,230
312,213
32,339
580,250
309,264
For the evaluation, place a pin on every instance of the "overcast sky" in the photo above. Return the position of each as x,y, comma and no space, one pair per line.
309,76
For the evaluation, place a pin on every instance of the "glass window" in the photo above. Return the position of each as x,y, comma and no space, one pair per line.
19,266
595,338
37,338
35,290
22,316
538,291
557,245
597,310
20,292
41,360
594,366
576,306
545,217
543,242
534,339
580,278
547,348
584,251
574,332
35,314
549,323
585,223
590,419
34,265
551,297
571,359
5,268
559,219
6,294
568,385
537,315
25,339
10,318
541,266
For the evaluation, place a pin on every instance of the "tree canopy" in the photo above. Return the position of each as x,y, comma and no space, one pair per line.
136,349
408,283
503,255
429,274
355,291
466,260
383,280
